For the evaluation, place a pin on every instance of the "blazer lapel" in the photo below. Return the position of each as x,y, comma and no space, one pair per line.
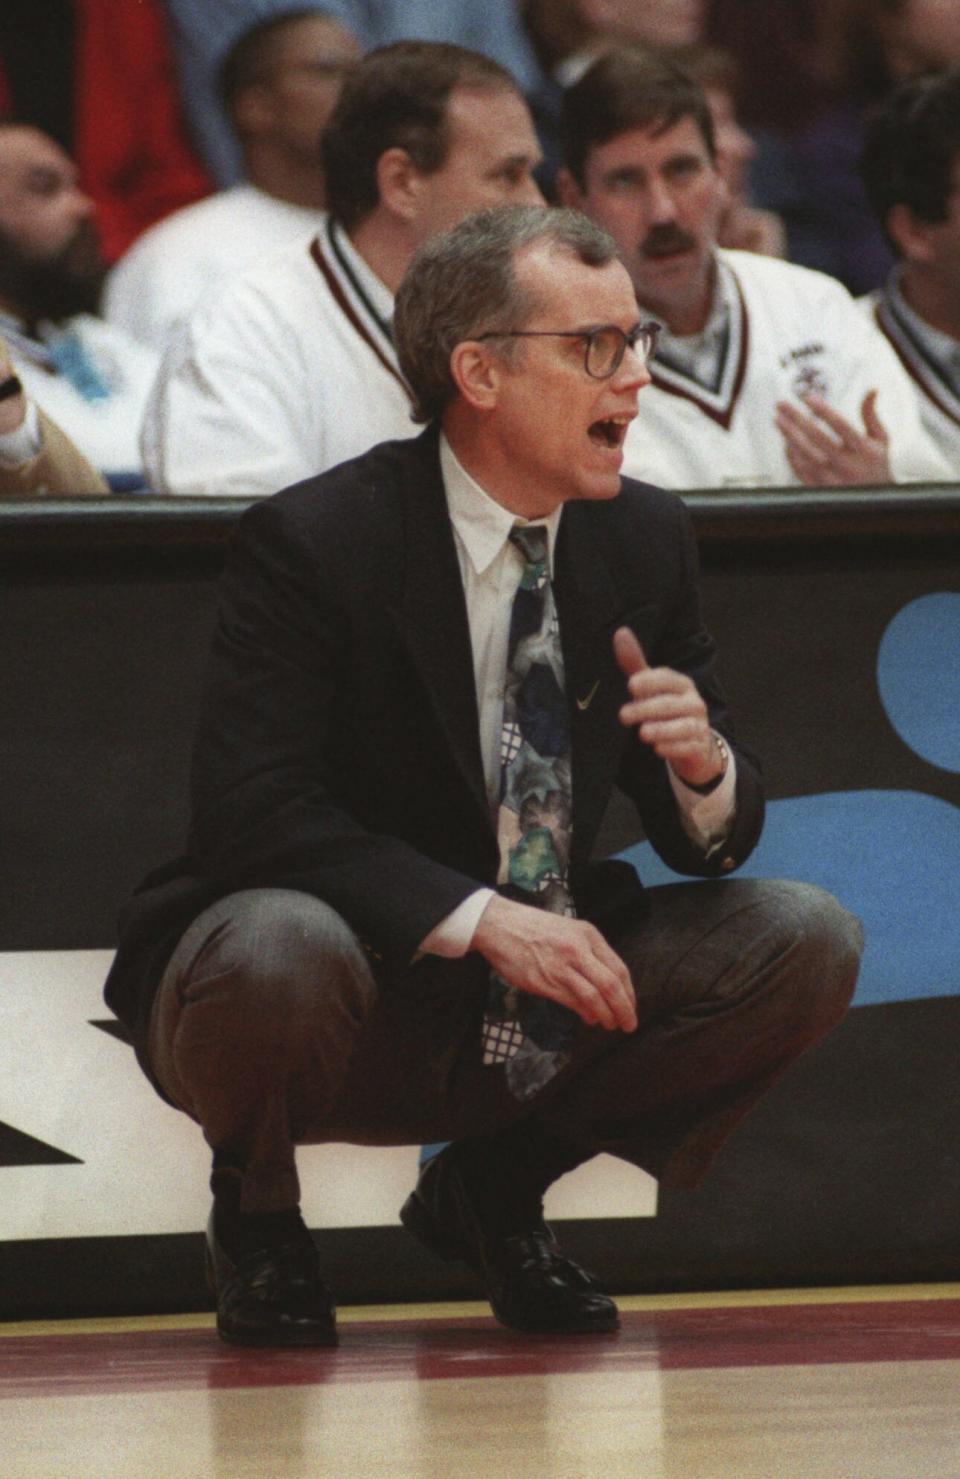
431,616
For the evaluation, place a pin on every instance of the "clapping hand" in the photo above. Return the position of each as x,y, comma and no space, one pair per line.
826,451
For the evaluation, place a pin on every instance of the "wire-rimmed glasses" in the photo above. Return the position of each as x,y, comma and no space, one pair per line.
603,346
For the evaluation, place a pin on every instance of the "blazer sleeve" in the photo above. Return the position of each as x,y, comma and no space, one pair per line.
268,810
683,643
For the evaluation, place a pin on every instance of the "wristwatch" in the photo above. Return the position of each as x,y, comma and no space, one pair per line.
724,754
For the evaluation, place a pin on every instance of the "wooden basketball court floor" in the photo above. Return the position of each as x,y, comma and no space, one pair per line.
844,1384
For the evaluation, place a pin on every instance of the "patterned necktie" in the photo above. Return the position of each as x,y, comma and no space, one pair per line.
528,1034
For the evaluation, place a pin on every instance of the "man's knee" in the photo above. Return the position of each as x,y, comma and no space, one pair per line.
821,938
278,931
274,963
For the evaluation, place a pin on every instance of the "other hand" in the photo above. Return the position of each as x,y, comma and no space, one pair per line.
565,960
826,451
667,712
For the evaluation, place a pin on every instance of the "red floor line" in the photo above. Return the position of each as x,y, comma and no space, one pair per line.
666,1340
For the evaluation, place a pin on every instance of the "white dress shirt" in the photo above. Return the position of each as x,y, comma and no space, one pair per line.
491,569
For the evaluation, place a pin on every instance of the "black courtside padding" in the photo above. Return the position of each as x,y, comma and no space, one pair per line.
849,1171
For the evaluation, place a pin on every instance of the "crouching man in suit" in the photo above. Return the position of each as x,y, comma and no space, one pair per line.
431,666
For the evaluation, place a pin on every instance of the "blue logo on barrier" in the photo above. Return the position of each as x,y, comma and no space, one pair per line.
918,675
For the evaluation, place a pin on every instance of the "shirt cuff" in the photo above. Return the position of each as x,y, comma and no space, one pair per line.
22,445
452,936
707,820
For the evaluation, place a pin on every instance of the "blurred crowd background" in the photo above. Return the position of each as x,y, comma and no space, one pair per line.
133,92
129,89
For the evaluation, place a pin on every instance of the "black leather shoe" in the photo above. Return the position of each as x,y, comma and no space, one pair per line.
271,1295
529,1282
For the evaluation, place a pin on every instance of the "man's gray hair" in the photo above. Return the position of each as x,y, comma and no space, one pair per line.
462,284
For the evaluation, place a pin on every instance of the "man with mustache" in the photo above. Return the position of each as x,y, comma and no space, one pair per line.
91,378
766,373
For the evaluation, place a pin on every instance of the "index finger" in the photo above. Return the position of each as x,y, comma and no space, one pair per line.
628,652
611,977
873,426
847,434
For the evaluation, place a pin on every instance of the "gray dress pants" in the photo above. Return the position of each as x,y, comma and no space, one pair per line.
270,1030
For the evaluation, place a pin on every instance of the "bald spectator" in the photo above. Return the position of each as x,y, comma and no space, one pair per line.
291,367
90,377
911,166
766,374
279,83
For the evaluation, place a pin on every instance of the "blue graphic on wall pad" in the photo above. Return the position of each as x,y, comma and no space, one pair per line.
918,675
892,857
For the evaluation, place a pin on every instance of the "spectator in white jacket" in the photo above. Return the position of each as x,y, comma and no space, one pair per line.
767,374
279,83
291,368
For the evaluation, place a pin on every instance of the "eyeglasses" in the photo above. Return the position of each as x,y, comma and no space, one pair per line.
603,347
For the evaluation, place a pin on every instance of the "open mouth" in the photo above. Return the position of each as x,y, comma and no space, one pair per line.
610,433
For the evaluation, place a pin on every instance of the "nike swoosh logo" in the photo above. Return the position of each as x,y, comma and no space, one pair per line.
584,703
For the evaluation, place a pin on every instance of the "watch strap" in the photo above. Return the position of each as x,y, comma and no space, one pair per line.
712,785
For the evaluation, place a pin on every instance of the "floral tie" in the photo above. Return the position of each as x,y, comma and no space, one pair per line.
528,1034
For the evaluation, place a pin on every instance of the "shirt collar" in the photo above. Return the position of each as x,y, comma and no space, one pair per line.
941,348
380,296
703,357
482,524
723,300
